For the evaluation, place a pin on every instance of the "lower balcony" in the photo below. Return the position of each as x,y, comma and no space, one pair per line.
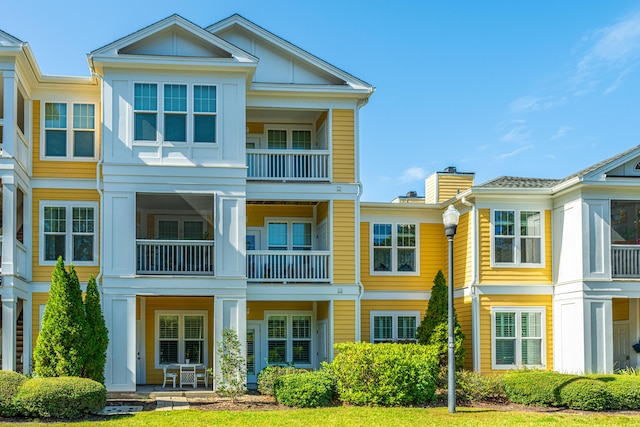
288,266
175,257
625,261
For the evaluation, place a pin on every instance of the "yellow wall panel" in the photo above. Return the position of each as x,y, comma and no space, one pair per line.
154,376
432,257
256,213
344,321
322,211
257,308
42,273
344,236
620,308
488,301
343,155
449,185
58,169
323,310
510,275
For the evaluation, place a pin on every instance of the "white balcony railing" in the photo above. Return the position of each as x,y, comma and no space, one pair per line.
289,165
288,266
625,261
175,257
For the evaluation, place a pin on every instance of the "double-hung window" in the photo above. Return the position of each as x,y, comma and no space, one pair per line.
69,231
289,339
189,113
518,337
394,248
390,326
289,235
181,336
517,237
69,130
289,138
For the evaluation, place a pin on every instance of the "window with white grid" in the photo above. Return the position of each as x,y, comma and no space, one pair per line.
289,339
181,336
394,248
517,237
69,130
392,326
518,337
68,231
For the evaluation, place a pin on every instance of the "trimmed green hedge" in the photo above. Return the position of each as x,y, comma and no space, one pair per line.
268,376
586,394
60,397
385,374
538,388
306,390
10,383
624,390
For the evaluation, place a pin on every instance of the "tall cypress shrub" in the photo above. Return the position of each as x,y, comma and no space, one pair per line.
434,328
60,349
97,337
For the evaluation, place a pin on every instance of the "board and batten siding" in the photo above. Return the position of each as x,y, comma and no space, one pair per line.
344,245
344,321
432,257
513,275
343,145
153,304
489,301
59,168
42,273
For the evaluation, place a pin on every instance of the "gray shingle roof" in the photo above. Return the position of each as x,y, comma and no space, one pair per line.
519,182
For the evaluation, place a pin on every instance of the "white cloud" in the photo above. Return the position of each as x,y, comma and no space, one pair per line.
413,173
561,132
514,152
527,104
514,131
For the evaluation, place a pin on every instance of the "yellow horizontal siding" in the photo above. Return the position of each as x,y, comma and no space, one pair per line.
489,301
256,213
344,235
155,376
257,308
343,155
462,250
449,185
430,189
58,169
42,273
344,321
255,127
37,299
523,275
366,306
462,308
620,308
432,257
323,310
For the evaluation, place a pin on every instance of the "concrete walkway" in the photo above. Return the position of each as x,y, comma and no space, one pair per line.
171,403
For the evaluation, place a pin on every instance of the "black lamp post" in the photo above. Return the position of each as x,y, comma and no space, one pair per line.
450,219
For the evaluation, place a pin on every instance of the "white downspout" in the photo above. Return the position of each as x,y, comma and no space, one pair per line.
98,184
475,302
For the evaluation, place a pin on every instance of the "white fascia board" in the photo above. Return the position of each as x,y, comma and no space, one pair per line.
291,292
510,203
431,216
174,285
258,89
301,191
64,183
515,289
164,63
293,100
130,170
396,295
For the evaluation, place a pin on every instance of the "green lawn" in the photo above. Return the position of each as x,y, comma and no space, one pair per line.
362,416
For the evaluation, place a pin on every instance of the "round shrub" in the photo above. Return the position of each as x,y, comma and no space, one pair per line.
538,388
585,394
624,391
385,374
307,390
268,376
472,386
61,397
10,383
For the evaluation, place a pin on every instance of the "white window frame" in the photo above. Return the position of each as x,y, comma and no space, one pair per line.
68,258
289,339
289,221
394,314
289,130
190,115
518,239
69,129
394,249
181,315
518,338
181,220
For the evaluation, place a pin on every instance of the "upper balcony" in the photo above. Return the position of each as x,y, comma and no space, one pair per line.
625,239
287,145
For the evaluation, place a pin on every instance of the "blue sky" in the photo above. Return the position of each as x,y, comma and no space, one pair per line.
525,88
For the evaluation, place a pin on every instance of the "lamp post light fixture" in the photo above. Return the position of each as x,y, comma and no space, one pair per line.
450,219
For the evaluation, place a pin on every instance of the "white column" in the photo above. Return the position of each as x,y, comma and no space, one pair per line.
27,345
9,306
8,224
120,318
230,312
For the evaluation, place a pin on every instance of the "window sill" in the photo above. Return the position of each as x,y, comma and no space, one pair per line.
517,265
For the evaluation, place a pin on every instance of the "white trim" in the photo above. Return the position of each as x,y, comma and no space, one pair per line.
394,250
394,314
289,339
518,338
181,314
68,205
517,238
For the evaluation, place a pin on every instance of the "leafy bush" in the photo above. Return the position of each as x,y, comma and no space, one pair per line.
233,367
268,376
474,387
585,394
539,388
10,383
306,390
60,397
385,374
623,389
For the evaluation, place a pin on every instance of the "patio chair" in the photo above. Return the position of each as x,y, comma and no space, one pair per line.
188,375
202,376
169,375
